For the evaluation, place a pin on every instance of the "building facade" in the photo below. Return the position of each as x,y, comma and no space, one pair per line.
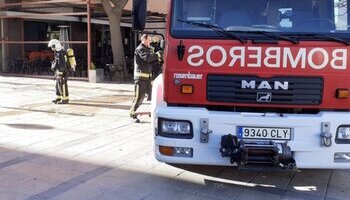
27,26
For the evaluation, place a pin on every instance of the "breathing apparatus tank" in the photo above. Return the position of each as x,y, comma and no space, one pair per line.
71,58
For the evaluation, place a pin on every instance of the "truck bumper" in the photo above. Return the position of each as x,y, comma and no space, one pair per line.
305,144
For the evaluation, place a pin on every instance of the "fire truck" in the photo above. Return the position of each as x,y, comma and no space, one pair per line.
253,84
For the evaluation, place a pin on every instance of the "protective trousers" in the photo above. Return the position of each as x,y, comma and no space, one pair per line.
142,87
62,87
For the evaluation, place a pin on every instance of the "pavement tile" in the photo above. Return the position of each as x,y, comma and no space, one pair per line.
313,182
213,171
266,185
64,163
338,192
10,155
44,172
114,183
220,190
165,170
12,194
260,193
295,195
92,194
69,185
273,179
204,197
339,187
169,194
234,174
138,190
145,162
186,181
25,184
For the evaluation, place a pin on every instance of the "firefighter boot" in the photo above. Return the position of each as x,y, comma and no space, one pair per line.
135,120
63,102
55,101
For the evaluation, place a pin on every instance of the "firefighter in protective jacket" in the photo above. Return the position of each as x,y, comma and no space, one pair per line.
144,57
60,65
157,65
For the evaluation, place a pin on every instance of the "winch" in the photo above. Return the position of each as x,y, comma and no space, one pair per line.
256,152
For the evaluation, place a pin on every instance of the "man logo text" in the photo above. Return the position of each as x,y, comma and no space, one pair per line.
264,85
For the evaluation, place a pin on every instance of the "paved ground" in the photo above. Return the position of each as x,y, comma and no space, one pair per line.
91,150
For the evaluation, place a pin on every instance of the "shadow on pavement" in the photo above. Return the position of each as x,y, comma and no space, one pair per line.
30,126
120,107
32,176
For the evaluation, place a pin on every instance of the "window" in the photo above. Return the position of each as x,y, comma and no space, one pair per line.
280,16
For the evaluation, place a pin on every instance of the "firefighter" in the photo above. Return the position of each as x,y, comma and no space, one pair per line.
61,68
157,65
143,58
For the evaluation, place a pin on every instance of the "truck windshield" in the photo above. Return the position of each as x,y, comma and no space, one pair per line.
287,17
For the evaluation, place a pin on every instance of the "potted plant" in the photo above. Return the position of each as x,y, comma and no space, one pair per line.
95,74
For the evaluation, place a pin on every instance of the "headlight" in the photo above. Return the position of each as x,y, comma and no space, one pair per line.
175,128
343,135
344,132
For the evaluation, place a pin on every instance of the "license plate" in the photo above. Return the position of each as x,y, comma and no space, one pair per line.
264,133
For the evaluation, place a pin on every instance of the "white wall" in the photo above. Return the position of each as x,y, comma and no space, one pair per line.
159,6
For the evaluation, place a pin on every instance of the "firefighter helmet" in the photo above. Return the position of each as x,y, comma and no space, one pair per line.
155,39
55,45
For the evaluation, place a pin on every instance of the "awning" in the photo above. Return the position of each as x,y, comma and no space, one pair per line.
27,15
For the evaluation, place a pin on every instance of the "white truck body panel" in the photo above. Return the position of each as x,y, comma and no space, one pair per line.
305,143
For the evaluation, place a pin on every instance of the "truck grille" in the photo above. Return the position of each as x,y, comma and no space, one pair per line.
299,91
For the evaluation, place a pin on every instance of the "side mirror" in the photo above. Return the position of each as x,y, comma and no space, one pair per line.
139,13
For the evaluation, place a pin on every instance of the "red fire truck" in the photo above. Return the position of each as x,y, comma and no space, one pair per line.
254,83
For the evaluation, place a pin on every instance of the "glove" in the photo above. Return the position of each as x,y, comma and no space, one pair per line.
53,65
151,49
160,55
73,67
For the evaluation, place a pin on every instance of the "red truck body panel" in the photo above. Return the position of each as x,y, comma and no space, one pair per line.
327,60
